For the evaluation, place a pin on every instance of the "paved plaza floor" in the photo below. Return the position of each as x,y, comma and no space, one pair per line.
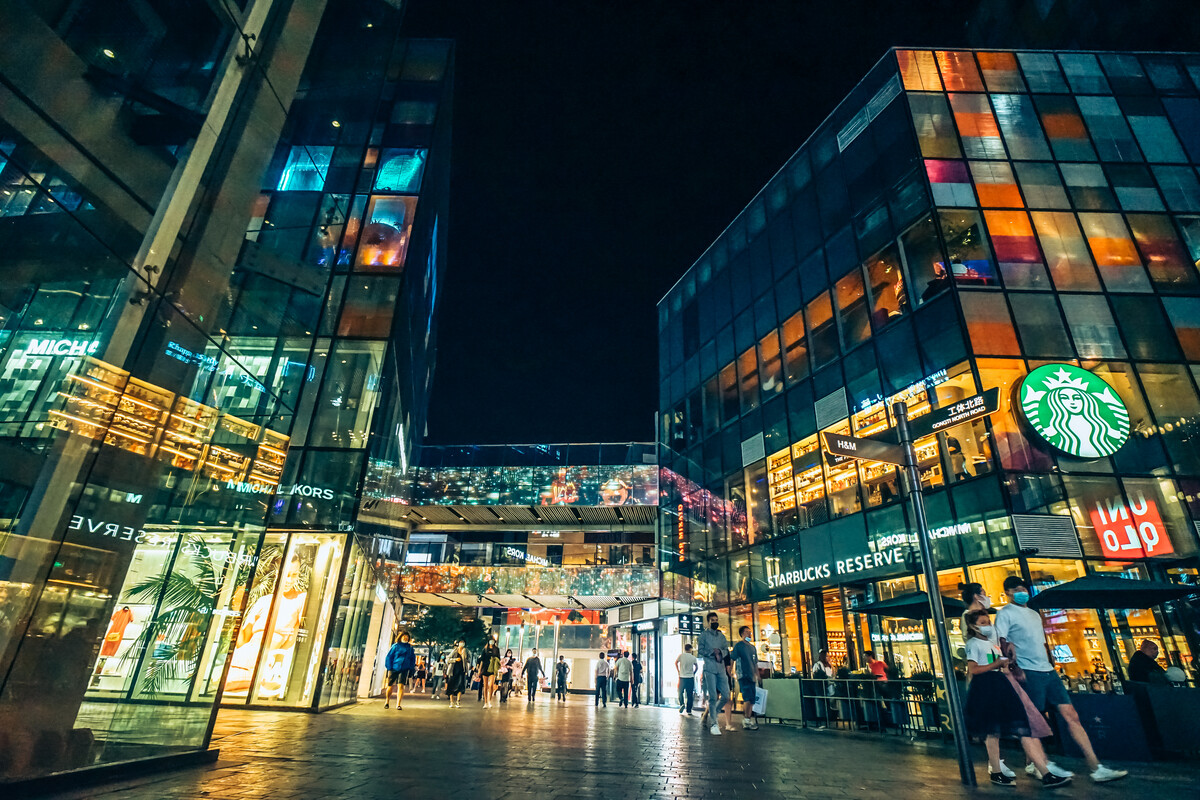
551,751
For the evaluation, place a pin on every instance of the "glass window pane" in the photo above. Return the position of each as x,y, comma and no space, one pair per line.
1041,326
795,348
1185,113
1134,187
1158,141
889,295
1169,266
1179,187
1064,128
1000,72
306,169
1147,331
369,307
976,125
923,257
821,330
950,182
343,416
1118,260
995,184
1065,251
970,259
401,170
747,364
1185,318
1083,73
852,309
988,324
770,365
730,407
1016,250
1019,124
1172,398
1092,326
934,125
1113,139
1041,185
1042,73
384,241
918,70
1088,187
958,71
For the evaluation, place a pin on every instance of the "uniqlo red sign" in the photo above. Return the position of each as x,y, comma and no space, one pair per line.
1129,531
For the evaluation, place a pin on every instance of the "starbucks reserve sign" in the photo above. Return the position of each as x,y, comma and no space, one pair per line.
1074,411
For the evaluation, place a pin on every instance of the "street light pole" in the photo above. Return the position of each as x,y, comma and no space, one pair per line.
965,768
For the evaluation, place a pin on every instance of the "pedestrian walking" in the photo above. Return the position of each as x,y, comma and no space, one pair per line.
602,673
623,670
489,667
533,673
993,707
637,682
508,665
456,683
400,662
823,671
745,657
439,677
685,667
1021,626
714,649
561,670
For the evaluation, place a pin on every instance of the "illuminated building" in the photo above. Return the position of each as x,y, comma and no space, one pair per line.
960,219
222,234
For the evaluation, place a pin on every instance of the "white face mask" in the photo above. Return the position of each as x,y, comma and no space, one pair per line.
986,630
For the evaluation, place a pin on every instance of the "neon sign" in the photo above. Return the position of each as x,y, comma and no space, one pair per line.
1129,531
61,347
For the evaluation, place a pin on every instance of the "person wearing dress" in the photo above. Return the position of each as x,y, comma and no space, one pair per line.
457,682
508,665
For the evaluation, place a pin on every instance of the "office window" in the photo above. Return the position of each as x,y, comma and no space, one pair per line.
1184,313
1114,141
822,333
934,125
1064,128
306,169
989,325
1041,326
1088,187
1148,333
748,384
918,70
1065,251
384,241
958,71
1163,253
923,256
889,294
1016,250
1042,72
401,171
795,349
1019,123
1000,72
1153,131
1114,253
1092,326
852,309
995,184
1179,187
730,406
711,394
770,365
950,182
1134,187
1041,185
369,307
976,125
970,259
1084,73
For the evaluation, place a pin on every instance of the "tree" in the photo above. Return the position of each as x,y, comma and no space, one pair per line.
441,626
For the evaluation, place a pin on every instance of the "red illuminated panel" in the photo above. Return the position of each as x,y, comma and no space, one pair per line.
1012,237
1130,531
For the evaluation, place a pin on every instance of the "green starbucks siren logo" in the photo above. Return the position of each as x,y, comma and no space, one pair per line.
1074,411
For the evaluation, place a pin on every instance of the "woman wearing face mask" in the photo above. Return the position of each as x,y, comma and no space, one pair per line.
993,707
976,599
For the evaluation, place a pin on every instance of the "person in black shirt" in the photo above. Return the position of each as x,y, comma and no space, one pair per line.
1143,666
561,670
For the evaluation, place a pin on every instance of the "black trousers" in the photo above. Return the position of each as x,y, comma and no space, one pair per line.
602,690
560,690
623,692
531,682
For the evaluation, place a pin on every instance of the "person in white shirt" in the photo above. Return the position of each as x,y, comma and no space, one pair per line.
623,671
685,666
602,673
1021,627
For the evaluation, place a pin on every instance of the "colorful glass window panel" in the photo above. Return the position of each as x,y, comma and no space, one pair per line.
1064,128
1114,252
970,259
989,324
1016,249
958,71
369,307
384,239
1066,251
1084,73
1112,136
934,125
852,308
306,169
976,125
1042,72
1041,326
1179,186
1154,134
1184,313
1168,263
1134,187
918,70
401,171
950,182
1041,185
996,185
1088,187
1019,124
1000,71
1092,326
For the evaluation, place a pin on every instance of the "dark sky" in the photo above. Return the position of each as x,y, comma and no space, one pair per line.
597,152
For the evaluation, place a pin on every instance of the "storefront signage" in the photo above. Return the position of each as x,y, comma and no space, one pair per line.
295,490
1133,530
845,567
863,448
647,625
980,405
690,624
61,347
521,555
1074,411
100,527
199,360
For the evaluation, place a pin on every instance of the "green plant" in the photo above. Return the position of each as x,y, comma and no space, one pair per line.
442,626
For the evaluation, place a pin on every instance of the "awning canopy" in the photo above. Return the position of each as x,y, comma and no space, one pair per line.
914,605
1108,591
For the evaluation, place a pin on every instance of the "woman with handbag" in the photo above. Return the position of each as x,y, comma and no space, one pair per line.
489,666
457,683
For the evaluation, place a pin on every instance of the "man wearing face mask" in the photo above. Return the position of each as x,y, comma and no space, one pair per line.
1021,626
714,649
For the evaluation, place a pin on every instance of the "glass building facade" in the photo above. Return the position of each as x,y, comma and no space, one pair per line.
220,268
962,218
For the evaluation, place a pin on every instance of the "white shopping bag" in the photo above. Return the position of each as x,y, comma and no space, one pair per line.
760,702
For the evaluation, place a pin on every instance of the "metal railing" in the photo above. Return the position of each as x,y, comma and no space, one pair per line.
901,707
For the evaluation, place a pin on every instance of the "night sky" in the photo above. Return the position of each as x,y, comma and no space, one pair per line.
597,152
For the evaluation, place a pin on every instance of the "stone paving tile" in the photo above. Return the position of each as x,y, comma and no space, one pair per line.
573,750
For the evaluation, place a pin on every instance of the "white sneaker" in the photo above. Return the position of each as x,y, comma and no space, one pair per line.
715,730
1103,774
1052,768
681,710
1005,771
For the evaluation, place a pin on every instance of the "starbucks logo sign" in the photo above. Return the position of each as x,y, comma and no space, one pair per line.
1074,411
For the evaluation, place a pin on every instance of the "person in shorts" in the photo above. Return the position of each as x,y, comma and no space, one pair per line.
746,659
1021,626
400,663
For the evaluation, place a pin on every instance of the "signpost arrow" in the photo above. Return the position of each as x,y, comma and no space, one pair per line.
863,448
974,407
